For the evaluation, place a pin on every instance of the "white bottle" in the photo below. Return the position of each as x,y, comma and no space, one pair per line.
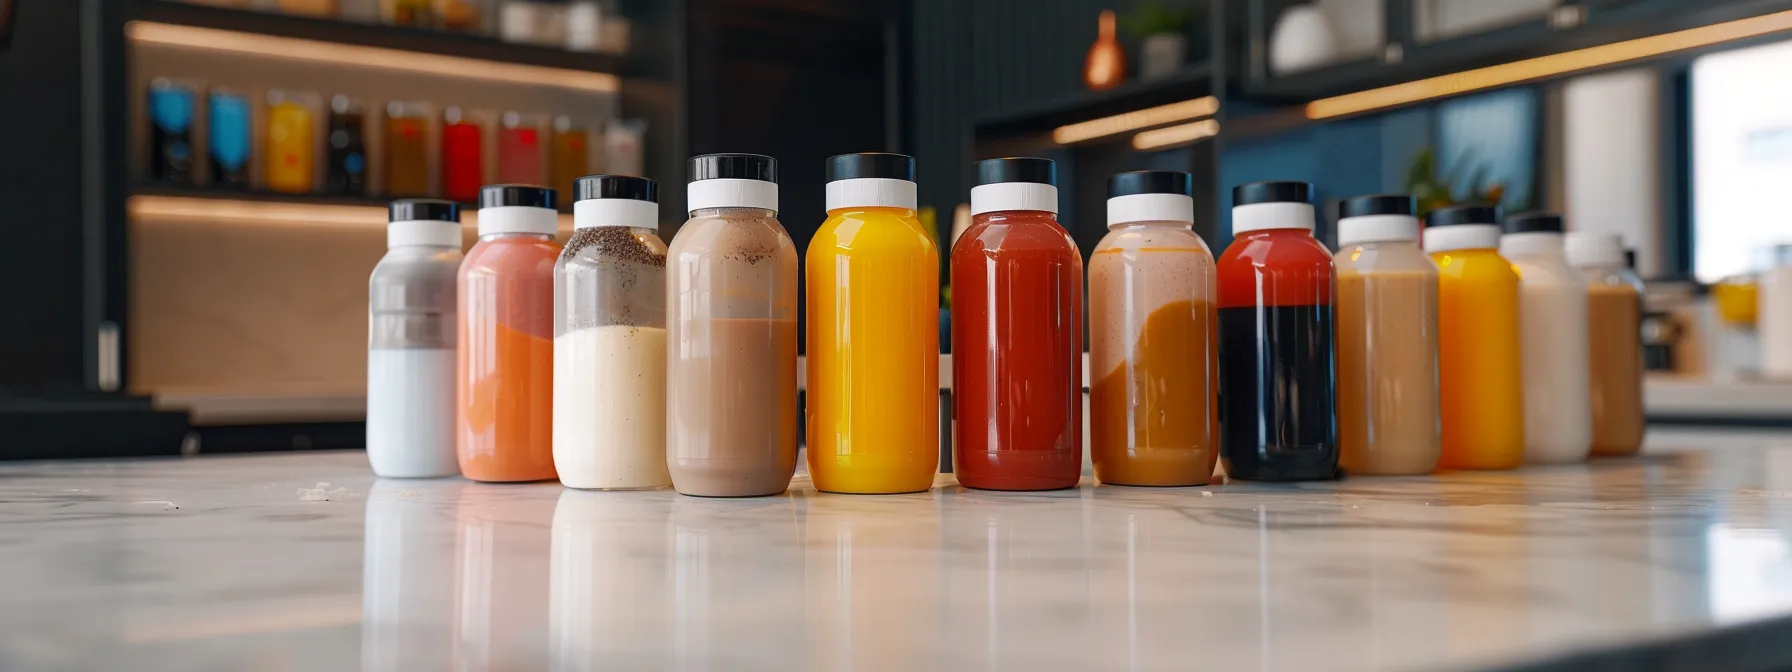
610,339
1774,315
410,345
1552,305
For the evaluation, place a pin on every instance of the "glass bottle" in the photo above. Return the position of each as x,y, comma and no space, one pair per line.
521,157
411,334
571,152
408,13
873,396
407,149
610,339
171,131
731,334
347,172
1552,317
1017,334
1153,403
1480,388
1386,340
292,142
1614,341
1278,417
506,346
231,120
463,147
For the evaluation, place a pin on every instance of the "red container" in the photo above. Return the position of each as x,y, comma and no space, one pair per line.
463,163
1017,335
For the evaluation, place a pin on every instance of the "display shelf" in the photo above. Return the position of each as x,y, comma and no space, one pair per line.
462,45
1194,81
255,196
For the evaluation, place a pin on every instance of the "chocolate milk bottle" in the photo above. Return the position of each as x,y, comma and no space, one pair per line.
1614,341
731,312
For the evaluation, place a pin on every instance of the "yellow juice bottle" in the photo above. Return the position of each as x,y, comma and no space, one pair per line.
1479,367
291,143
873,333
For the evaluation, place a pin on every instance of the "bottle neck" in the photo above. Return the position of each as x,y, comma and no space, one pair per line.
1156,224
741,211
515,235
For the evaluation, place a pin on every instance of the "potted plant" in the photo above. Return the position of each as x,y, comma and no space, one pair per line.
1162,32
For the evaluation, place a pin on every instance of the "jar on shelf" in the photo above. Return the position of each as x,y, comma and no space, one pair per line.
623,151
463,152
408,13
467,16
318,8
407,149
346,172
522,158
230,118
570,157
292,141
170,104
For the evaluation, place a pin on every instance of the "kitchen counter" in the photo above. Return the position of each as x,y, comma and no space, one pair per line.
307,562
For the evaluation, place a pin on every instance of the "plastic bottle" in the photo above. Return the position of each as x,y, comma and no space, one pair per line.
1558,418
1017,334
731,334
1614,341
1154,400
1278,415
873,330
506,375
410,344
1480,379
1387,340
610,339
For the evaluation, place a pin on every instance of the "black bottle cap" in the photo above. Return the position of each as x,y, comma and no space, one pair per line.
734,167
419,209
871,165
628,187
1151,182
1534,222
1017,169
1375,204
518,195
1463,215
1252,193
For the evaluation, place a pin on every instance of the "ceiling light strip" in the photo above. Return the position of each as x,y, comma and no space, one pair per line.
1175,135
1132,121
1548,66
291,48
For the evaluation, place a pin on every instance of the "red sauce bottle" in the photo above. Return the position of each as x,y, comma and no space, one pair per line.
1278,413
463,167
1017,334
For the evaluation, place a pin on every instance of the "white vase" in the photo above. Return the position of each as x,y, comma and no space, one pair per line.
1301,40
1162,55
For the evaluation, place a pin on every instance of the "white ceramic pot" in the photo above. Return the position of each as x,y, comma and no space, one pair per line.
1162,55
1301,40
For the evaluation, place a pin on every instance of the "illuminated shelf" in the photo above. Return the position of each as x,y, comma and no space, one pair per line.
205,204
1194,81
181,24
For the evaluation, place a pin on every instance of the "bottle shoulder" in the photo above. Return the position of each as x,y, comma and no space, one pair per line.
732,234
1474,264
1277,248
1015,233
1151,238
851,231
1384,258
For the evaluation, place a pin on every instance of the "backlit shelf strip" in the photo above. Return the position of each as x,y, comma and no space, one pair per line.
291,48
1544,67
227,210
1175,135
1132,121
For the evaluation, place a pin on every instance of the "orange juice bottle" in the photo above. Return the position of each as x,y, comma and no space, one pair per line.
1479,367
873,306
292,142
505,377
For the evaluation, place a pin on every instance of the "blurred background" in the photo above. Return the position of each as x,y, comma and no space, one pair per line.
196,187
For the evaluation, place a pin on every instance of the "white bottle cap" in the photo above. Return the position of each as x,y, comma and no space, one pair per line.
1529,243
1463,227
1258,206
423,221
1376,218
871,180
1586,248
1151,196
616,200
1015,183
517,208
733,181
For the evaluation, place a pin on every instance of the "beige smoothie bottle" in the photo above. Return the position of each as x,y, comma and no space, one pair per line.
1614,341
731,311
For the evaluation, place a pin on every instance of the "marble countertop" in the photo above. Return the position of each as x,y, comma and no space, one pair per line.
306,562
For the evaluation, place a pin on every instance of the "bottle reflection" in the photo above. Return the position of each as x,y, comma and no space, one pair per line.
501,601
1020,568
1147,583
407,575
733,591
611,585
872,581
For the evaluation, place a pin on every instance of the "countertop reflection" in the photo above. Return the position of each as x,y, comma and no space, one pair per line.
305,561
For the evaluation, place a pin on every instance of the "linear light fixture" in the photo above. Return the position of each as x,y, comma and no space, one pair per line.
1175,135
292,48
1548,66
230,210
1132,121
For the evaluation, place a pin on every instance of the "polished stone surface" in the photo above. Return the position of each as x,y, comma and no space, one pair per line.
306,562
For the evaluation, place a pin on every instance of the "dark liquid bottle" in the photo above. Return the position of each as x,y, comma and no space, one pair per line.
1278,417
231,118
171,132
348,147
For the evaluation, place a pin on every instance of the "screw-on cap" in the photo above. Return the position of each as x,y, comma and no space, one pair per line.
1534,222
1463,215
1588,248
1257,206
616,200
733,181
421,209
1015,183
1463,227
1376,218
871,179
1151,196
515,195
